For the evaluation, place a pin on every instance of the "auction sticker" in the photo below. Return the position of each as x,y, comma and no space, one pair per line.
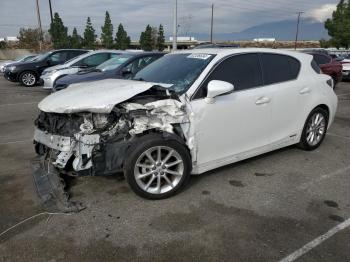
199,56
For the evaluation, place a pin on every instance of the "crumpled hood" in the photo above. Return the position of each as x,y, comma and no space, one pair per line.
96,97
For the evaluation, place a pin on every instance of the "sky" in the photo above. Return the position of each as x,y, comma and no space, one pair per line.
193,15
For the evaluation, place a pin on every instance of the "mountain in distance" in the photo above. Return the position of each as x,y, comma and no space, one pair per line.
282,31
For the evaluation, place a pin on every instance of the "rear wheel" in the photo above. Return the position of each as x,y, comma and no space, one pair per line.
315,129
157,168
28,79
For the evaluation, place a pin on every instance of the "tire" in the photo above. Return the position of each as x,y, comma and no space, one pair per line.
311,142
28,79
144,172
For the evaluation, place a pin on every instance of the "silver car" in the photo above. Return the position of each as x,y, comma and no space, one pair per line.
82,62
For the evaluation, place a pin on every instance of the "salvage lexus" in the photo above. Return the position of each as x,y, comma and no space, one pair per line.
186,113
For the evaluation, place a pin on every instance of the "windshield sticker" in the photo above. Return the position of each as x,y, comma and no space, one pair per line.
199,56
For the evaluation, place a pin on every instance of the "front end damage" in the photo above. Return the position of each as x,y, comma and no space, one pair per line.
96,144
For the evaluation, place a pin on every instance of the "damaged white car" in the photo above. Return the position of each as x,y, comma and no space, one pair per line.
187,113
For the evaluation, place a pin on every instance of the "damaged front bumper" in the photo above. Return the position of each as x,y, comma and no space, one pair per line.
80,147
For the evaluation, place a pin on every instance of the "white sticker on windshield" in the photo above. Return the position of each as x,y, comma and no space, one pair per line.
199,56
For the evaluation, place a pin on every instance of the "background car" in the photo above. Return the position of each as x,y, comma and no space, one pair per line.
28,73
328,65
346,67
122,66
19,59
82,62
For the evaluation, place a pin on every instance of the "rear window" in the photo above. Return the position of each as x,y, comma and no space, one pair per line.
321,59
279,68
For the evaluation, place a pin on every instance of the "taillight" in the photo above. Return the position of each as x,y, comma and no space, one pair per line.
330,82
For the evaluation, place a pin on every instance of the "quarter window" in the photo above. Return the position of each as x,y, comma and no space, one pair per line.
279,68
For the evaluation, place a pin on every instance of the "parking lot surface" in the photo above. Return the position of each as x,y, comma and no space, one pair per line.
262,209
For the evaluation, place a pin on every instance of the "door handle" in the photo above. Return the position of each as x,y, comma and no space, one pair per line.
263,100
305,90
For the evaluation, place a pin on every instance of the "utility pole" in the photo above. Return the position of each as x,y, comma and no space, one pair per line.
51,11
297,33
39,23
175,27
212,23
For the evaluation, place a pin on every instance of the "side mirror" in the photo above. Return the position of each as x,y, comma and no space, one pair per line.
216,88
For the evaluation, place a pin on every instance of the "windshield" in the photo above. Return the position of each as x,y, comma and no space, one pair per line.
114,63
177,70
41,57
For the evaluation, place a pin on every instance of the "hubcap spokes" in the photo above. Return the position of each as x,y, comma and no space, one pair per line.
28,79
316,129
159,169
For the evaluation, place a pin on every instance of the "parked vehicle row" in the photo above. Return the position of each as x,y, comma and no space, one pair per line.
186,113
19,59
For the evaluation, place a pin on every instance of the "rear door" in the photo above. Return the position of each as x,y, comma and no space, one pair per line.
280,74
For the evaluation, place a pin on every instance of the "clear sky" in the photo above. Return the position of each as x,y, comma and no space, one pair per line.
193,15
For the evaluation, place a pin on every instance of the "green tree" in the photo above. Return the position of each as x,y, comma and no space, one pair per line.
122,40
339,25
146,40
107,32
58,32
89,35
3,45
161,38
29,38
76,40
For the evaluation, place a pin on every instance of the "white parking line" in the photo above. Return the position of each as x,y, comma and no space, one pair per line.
344,94
335,135
317,241
15,142
18,104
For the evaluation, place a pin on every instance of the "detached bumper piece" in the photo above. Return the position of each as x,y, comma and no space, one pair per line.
51,188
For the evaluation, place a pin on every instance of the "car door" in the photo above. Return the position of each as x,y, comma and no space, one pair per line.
280,74
236,124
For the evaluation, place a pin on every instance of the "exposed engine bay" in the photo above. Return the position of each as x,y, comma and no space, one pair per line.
87,143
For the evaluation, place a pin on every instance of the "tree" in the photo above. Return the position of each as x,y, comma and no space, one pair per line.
89,35
161,38
146,41
29,38
107,32
339,25
122,40
58,32
3,45
75,40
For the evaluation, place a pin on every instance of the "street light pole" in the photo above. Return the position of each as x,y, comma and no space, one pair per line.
212,23
39,23
175,27
51,11
297,33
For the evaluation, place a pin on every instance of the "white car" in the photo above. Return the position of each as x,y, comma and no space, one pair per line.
82,62
187,113
346,68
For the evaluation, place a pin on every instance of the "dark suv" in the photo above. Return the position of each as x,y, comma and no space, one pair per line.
28,73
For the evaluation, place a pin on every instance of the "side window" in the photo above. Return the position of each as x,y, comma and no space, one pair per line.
58,58
321,59
279,68
112,55
315,67
140,63
243,71
93,60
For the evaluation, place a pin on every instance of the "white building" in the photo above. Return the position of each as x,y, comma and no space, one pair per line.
2,39
11,39
264,40
184,39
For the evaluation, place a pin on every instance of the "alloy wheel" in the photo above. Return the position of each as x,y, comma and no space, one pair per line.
28,79
316,129
159,170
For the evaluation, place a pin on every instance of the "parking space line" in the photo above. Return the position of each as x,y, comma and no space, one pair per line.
18,104
15,142
344,94
340,136
317,241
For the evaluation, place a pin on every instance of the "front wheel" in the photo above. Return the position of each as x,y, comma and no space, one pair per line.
315,129
157,168
28,79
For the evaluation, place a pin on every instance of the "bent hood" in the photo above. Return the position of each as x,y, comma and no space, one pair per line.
96,97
